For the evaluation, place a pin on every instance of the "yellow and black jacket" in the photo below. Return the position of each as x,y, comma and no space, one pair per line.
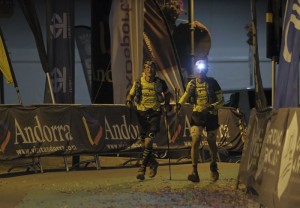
148,95
203,94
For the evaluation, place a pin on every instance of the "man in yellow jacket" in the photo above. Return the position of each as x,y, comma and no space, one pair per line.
206,96
148,93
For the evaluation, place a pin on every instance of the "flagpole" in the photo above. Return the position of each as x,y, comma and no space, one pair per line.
50,87
192,30
168,139
260,98
1,89
18,94
15,82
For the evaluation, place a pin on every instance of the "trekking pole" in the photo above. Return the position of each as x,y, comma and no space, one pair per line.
168,139
176,114
131,109
129,131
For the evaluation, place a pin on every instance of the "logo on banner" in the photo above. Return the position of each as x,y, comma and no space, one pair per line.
104,76
289,149
96,139
125,43
5,142
255,146
121,131
287,54
59,80
41,133
59,26
114,132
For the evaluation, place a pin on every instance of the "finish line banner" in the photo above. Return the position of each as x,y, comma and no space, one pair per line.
76,129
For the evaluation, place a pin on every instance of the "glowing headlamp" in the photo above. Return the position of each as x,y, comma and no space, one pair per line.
149,64
200,66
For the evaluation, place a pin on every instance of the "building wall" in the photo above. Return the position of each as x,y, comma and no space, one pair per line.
228,58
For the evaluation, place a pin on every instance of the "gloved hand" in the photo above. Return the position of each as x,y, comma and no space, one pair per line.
210,107
177,107
206,109
129,103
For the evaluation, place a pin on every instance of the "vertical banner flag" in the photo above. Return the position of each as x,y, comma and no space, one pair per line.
6,8
126,29
159,46
102,89
1,89
60,50
260,97
29,12
83,41
4,62
273,28
6,67
137,28
287,91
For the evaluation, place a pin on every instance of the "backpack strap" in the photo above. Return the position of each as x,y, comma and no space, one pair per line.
138,91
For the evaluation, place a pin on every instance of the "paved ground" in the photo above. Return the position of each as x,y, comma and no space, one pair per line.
115,186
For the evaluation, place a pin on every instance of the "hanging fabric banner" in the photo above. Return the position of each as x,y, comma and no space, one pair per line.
4,62
102,89
126,29
159,46
60,50
83,42
287,92
6,68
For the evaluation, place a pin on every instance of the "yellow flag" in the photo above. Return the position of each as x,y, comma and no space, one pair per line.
4,64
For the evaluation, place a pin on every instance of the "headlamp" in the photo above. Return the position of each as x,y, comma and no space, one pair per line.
149,64
200,66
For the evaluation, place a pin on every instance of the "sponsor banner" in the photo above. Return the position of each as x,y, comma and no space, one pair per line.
251,153
102,86
83,41
5,133
68,130
6,8
29,12
137,28
6,69
273,28
266,175
126,30
272,166
5,66
107,128
64,130
159,47
60,50
288,167
232,130
288,68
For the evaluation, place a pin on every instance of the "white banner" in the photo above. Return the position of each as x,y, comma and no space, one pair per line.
126,28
